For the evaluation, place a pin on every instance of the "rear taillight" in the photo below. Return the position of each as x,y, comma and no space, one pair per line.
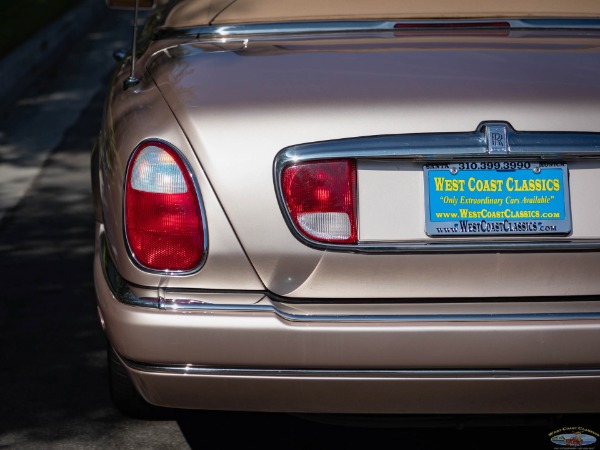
163,218
321,199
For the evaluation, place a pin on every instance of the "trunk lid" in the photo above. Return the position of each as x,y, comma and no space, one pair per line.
241,101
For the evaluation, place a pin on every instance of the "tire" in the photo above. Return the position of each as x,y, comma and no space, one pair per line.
124,394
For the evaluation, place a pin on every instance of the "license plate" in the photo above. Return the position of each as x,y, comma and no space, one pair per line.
496,198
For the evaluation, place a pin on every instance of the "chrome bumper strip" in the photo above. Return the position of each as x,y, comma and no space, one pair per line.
123,292
190,369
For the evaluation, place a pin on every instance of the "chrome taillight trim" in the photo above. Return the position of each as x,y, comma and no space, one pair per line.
200,204
288,28
446,147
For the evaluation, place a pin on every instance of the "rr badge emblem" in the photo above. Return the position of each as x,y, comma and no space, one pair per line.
497,143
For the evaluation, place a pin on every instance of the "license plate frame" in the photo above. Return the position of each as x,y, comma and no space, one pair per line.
500,197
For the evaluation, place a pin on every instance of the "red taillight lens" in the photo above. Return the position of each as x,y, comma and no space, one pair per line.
163,219
321,199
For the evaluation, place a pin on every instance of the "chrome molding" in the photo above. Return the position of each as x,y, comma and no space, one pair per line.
262,29
447,147
434,147
119,287
122,290
190,369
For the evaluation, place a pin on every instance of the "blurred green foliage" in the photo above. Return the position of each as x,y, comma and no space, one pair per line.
20,19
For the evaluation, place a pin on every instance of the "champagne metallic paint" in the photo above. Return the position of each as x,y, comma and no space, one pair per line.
230,105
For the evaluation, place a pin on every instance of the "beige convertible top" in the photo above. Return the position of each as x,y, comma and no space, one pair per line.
189,13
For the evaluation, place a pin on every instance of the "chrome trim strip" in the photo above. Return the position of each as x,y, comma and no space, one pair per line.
122,291
447,147
338,318
119,287
365,25
433,147
190,369
475,246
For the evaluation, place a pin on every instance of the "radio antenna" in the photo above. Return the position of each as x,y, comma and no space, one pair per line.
132,80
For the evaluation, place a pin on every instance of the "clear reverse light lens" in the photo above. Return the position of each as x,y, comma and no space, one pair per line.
327,225
156,171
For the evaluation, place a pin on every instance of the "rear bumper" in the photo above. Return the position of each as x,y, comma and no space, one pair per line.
385,392
247,352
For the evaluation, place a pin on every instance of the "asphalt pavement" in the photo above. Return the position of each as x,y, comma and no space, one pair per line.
53,385
45,85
